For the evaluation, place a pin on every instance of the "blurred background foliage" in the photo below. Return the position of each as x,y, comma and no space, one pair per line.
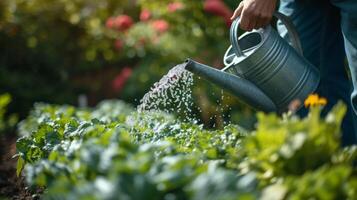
7,123
57,50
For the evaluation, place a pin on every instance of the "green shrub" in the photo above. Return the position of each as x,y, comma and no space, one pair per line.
52,51
7,122
113,152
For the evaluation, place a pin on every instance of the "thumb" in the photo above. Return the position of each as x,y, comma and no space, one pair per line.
237,12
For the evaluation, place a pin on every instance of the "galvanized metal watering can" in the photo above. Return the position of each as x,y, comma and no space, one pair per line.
262,69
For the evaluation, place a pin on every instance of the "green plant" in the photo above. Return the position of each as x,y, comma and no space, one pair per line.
47,43
96,154
55,50
6,122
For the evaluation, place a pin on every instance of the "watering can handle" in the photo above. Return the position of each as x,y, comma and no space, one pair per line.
293,35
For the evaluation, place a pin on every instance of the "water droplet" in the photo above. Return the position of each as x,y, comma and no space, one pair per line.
173,93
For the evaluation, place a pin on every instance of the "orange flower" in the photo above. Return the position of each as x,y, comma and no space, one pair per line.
315,100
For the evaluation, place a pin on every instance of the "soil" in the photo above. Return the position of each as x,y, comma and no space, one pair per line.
11,186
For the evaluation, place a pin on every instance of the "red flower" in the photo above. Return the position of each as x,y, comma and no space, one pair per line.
217,7
118,44
119,81
110,22
160,25
123,22
172,7
145,15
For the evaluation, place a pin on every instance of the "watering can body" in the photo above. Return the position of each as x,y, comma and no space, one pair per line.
262,60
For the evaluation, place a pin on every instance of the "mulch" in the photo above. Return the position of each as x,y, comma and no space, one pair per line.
11,186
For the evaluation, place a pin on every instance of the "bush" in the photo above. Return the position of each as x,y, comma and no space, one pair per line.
7,122
46,44
54,51
96,154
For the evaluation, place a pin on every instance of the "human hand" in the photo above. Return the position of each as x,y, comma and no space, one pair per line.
254,13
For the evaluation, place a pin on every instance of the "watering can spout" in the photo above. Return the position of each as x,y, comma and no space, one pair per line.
240,87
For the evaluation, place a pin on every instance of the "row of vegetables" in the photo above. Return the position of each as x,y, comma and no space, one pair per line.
114,152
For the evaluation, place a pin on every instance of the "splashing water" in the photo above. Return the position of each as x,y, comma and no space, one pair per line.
172,94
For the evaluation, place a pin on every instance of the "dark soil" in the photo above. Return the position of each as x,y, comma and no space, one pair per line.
11,186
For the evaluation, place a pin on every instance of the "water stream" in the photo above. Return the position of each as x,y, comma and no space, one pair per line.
172,94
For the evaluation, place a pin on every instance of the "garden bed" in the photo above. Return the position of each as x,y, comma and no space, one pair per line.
12,186
114,152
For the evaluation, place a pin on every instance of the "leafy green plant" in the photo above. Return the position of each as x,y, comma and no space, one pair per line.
114,152
6,122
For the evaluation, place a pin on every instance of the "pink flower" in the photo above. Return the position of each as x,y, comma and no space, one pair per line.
123,22
119,81
160,25
110,22
217,7
145,15
172,7
118,44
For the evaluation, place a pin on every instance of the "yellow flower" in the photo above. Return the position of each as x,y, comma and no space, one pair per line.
315,100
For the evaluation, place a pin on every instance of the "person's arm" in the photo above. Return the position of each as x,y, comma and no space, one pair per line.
254,13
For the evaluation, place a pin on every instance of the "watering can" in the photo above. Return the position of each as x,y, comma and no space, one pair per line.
263,69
